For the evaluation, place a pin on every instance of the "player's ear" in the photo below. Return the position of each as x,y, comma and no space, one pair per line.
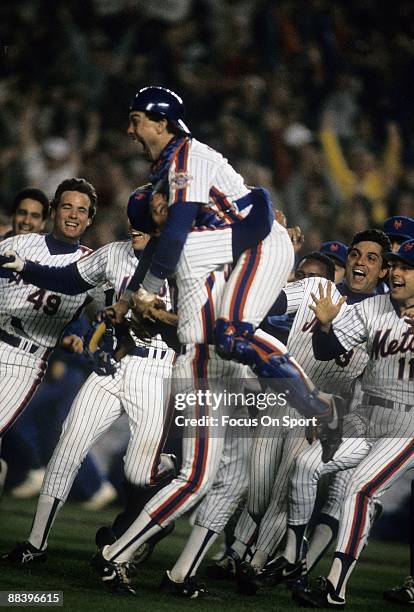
383,272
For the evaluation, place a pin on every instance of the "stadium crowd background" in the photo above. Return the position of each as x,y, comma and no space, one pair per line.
309,98
272,85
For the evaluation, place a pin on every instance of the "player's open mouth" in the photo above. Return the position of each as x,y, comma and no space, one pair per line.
358,273
397,284
71,225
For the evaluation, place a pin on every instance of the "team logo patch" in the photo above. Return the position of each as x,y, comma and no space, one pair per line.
181,180
409,246
397,224
334,247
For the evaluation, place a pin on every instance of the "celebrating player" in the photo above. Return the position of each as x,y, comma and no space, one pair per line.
385,420
29,212
31,319
139,387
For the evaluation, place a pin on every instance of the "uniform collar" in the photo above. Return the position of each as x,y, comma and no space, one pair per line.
57,247
353,297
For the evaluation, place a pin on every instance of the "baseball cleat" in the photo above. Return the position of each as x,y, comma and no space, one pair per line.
225,568
281,571
25,553
401,595
322,596
115,576
331,437
246,578
191,588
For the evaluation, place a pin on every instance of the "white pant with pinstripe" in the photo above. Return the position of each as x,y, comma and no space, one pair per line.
141,388
21,373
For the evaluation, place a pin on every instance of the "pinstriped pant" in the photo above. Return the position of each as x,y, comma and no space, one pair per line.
202,446
20,375
141,388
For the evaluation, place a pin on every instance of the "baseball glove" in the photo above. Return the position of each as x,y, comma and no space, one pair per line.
99,347
147,324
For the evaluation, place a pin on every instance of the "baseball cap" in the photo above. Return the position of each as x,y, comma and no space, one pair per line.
405,253
399,227
335,249
138,211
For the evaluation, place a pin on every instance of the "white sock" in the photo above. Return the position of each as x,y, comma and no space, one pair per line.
259,559
340,573
198,544
46,512
141,530
239,548
320,540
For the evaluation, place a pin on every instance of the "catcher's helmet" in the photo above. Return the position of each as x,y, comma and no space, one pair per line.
162,101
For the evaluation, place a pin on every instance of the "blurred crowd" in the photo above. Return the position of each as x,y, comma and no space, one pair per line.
308,98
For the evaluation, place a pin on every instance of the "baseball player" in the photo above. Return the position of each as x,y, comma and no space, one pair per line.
29,212
200,186
337,251
399,229
267,499
383,324
140,387
32,320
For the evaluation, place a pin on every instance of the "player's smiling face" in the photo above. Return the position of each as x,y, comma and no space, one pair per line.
71,216
364,267
402,282
28,217
144,131
139,240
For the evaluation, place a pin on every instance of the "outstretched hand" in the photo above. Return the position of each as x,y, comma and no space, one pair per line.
324,308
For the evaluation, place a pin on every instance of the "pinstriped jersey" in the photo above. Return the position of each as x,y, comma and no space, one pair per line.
30,312
389,345
200,174
115,263
336,375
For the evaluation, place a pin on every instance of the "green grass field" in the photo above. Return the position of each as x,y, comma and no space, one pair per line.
72,544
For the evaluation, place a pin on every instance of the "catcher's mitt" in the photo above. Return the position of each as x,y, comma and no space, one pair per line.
99,347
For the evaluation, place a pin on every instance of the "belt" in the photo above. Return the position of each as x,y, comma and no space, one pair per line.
17,342
142,351
374,400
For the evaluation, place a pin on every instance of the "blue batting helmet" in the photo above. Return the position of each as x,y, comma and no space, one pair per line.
162,101
139,213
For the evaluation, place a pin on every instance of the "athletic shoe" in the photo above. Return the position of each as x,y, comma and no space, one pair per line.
191,588
322,596
331,438
105,495
280,571
104,537
115,576
225,568
3,474
246,578
25,553
31,486
403,594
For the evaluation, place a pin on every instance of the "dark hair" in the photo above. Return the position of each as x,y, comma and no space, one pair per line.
322,258
373,235
172,127
76,184
33,194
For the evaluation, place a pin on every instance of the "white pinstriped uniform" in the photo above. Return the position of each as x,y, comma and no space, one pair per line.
140,387
34,317
201,174
273,457
387,449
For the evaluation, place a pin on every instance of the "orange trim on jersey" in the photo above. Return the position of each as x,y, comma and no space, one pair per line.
238,283
223,195
250,280
181,156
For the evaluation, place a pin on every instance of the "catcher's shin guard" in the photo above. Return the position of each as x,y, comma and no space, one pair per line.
232,340
280,367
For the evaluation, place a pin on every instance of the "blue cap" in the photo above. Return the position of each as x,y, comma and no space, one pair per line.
405,253
399,227
139,213
335,249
